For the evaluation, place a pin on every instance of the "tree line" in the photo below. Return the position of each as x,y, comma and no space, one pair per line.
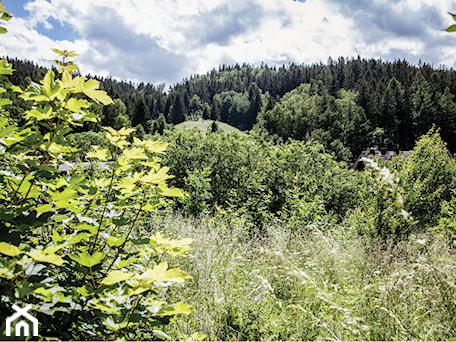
346,104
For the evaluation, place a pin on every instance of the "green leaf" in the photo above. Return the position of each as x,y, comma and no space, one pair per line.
44,208
115,277
79,237
176,309
452,28
76,105
61,199
25,288
134,153
15,89
151,146
127,185
99,153
157,177
90,88
46,294
5,67
82,290
87,260
5,15
65,53
125,132
42,256
155,146
10,250
40,113
111,324
4,102
50,87
161,272
171,192
115,242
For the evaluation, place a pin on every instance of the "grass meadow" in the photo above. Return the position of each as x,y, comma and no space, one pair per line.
311,284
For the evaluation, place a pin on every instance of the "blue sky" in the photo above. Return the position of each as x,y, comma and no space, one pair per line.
165,41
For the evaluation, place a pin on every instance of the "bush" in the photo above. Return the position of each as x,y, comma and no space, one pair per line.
250,174
66,244
428,176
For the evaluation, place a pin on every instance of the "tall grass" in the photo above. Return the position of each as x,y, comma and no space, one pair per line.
312,284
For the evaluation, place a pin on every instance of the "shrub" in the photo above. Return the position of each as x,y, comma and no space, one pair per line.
66,243
427,176
198,185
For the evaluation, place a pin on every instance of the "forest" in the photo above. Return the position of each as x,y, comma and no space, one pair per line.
348,105
117,224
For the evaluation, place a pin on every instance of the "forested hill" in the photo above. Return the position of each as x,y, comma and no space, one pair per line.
384,104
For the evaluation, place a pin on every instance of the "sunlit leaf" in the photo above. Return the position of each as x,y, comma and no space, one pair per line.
50,87
4,102
39,114
176,309
160,240
87,260
125,131
161,272
134,153
157,177
115,277
99,153
171,192
90,88
5,67
76,105
111,324
10,250
51,258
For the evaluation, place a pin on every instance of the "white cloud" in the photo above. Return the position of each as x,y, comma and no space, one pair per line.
156,41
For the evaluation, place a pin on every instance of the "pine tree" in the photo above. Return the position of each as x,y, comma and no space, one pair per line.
423,110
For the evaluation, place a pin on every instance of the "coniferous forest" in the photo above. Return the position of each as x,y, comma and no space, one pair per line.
117,222
350,104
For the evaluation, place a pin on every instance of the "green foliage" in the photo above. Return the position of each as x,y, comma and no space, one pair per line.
65,64
303,209
198,185
115,115
401,99
4,15
389,218
451,28
427,176
447,222
67,243
261,180
304,112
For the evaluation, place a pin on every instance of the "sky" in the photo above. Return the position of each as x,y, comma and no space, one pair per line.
160,41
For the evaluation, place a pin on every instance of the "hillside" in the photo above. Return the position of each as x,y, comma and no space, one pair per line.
389,104
204,125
